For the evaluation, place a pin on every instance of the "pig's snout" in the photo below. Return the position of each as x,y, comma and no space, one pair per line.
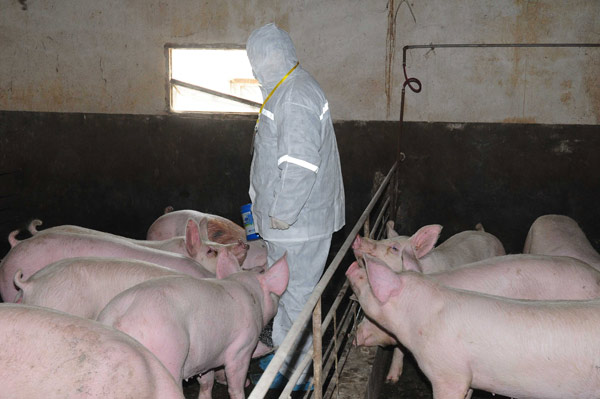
352,269
362,246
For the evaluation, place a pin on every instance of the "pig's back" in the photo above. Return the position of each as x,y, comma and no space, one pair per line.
526,277
203,316
542,349
462,248
83,286
46,354
517,348
42,249
560,235
173,224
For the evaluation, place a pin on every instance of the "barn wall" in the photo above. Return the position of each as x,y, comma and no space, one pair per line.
108,56
496,136
501,175
117,173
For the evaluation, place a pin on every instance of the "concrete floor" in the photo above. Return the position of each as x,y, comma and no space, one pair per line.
355,380
191,387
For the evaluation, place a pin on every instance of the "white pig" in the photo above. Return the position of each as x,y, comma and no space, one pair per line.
83,286
46,354
560,235
220,229
418,253
514,276
463,339
194,244
34,253
194,326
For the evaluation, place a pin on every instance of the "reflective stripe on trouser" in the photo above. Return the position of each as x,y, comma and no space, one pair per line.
306,260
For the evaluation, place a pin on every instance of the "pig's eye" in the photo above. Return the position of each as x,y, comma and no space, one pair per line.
395,250
211,252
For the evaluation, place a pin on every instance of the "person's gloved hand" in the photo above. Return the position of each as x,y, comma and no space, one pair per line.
279,224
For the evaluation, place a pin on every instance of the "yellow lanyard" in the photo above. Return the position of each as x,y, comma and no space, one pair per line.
265,102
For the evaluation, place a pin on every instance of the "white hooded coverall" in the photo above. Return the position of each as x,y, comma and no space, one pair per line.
295,175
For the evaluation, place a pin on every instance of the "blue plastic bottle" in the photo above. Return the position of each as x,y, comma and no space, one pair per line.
248,221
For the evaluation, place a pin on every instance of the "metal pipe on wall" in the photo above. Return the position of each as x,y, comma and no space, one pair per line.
415,85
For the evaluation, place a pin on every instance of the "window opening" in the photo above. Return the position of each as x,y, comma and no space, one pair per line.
212,80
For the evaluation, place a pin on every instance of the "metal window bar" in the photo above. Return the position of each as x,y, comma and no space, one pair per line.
214,92
262,386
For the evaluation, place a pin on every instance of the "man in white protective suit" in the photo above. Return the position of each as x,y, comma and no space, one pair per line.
296,183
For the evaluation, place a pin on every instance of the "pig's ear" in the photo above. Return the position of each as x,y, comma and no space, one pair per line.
192,237
227,264
409,259
357,242
203,229
424,239
277,276
390,229
240,250
383,281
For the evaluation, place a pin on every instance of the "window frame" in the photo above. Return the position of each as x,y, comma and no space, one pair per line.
170,81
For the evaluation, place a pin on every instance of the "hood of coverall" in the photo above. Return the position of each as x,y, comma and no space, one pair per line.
272,54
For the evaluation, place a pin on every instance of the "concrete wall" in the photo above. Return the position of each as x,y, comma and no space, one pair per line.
85,137
117,173
108,56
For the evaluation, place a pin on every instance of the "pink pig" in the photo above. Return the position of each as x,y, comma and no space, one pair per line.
418,253
46,354
83,286
560,235
172,224
194,244
464,339
194,326
220,230
34,253
513,276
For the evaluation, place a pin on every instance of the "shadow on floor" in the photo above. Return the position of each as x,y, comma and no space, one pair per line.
414,385
191,387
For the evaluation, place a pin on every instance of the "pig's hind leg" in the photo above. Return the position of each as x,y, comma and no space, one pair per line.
236,370
396,366
451,390
206,382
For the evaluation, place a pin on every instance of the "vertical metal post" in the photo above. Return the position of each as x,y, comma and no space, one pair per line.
367,228
317,351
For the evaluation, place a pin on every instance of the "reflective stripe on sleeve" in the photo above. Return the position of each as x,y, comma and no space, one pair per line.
268,114
325,109
299,162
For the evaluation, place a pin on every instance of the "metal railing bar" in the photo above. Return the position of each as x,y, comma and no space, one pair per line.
307,358
348,311
287,390
317,350
343,357
269,374
380,215
346,319
335,305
